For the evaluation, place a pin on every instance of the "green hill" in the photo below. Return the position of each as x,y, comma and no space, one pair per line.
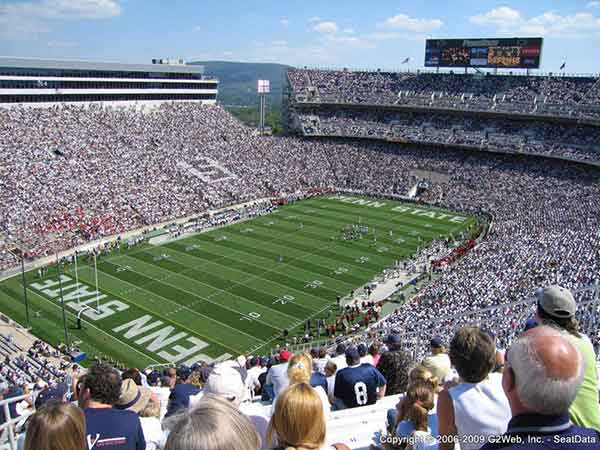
238,81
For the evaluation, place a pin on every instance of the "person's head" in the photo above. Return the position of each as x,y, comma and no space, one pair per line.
133,397
300,368
103,384
543,372
285,355
56,426
314,353
152,408
298,421
132,374
340,349
422,374
437,345
362,350
473,354
214,424
322,352
393,341
352,356
195,379
225,382
417,403
374,349
330,368
556,307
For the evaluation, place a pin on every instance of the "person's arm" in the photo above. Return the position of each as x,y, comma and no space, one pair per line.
381,383
446,424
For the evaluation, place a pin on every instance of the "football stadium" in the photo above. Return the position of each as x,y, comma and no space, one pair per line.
413,262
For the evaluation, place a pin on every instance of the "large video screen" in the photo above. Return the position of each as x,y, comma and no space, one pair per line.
511,53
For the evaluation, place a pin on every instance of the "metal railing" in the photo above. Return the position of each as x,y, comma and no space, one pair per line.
7,429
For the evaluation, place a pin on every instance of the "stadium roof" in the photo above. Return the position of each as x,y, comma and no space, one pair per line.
36,63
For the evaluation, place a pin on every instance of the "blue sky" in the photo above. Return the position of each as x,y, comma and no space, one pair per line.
325,33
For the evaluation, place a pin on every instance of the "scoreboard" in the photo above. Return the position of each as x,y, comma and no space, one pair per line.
506,53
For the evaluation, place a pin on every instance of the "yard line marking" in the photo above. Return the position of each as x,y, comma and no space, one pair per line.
154,313
255,265
266,279
208,297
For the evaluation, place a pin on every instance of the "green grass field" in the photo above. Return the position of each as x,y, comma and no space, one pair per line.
225,292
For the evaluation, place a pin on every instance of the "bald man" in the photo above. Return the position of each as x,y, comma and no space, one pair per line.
542,374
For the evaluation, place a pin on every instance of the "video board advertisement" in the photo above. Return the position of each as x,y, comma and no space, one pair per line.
503,53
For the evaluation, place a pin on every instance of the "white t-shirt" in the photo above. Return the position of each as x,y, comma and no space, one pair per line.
153,433
367,359
322,395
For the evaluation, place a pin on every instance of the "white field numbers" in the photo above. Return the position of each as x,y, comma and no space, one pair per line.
251,316
360,390
285,299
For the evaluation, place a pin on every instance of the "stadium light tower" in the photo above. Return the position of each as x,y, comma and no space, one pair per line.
264,88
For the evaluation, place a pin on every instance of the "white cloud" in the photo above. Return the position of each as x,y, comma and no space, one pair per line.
502,17
63,9
404,22
28,19
285,22
326,27
549,24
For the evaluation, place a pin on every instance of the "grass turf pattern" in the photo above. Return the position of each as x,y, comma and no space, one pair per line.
226,291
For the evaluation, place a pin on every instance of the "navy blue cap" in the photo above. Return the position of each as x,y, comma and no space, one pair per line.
352,354
184,372
436,342
362,349
531,323
341,348
53,393
153,377
392,339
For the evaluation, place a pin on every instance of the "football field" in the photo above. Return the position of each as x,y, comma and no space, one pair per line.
228,291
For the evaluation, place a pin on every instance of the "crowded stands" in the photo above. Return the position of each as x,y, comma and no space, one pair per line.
71,175
550,95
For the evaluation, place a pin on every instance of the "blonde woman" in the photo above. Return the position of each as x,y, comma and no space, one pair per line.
416,375
214,424
300,371
298,422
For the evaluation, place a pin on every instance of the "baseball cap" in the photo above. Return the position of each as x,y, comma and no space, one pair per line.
531,323
184,372
392,339
341,348
47,394
556,301
352,354
225,381
265,360
436,342
153,377
362,349
285,355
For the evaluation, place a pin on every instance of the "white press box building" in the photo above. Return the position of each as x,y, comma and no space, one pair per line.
44,82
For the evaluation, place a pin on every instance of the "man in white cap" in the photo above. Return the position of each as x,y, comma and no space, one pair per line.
556,307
